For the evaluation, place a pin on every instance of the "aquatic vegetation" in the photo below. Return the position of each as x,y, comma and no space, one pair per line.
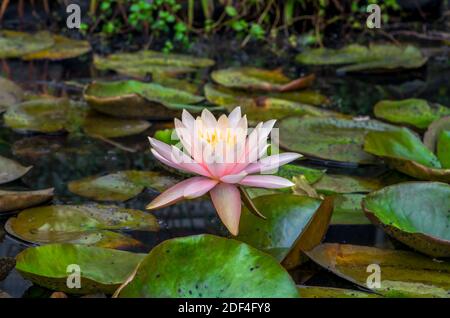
230,160
16,200
11,170
167,271
416,213
10,94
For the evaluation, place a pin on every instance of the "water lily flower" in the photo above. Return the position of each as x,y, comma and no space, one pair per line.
223,156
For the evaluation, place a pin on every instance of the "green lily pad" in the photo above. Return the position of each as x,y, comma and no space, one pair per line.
176,83
264,108
430,137
16,44
329,138
63,48
443,149
220,95
404,151
347,210
253,78
121,186
10,94
101,269
332,184
48,115
282,234
11,170
194,266
416,213
109,127
330,292
80,224
133,99
403,274
146,62
415,112
17,200
362,58
167,136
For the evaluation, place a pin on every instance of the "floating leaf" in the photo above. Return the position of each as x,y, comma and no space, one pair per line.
443,148
405,152
49,115
347,210
121,186
403,274
108,127
332,184
329,138
226,96
416,213
415,112
10,94
208,266
264,107
253,78
63,48
17,200
11,170
362,58
150,62
102,269
176,83
282,234
330,292
133,99
16,44
431,135
81,224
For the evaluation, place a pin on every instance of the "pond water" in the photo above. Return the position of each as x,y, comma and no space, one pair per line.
74,157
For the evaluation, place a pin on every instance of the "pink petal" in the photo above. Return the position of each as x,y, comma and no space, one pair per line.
227,201
272,162
234,116
190,188
233,178
269,182
187,119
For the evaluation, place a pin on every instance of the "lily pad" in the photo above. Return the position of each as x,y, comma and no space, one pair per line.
109,127
63,48
17,200
16,44
134,99
334,139
416,213
282,234
220,95
333,183
430,138
264,108
48,115
253,78
146,62
10,94
403,274
362,58
415,112
102,269
193,267
443,149
80,224
11,170
330,292
347,210
404,151
121,186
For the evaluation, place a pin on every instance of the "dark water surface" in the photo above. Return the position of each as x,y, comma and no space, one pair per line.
74,157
